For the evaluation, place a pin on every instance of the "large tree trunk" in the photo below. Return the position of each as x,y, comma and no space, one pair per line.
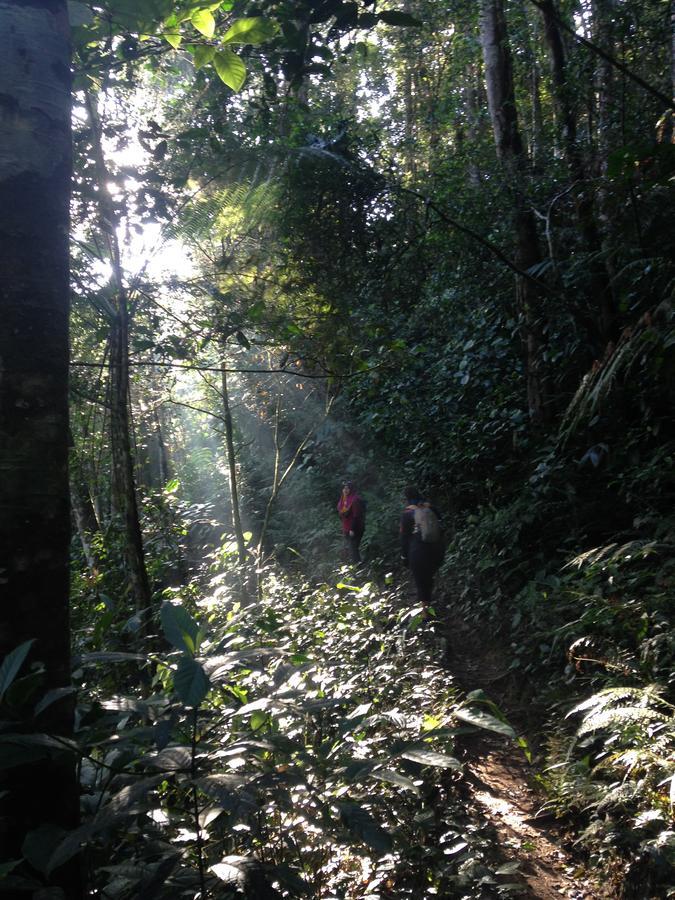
35,167
504,116
124,499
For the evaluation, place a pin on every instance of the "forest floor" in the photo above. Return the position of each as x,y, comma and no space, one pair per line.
501,787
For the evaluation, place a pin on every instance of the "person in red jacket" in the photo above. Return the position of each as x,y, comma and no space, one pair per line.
352,511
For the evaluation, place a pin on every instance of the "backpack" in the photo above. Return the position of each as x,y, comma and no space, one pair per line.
427,525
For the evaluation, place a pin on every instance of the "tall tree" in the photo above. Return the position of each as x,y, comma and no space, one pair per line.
124,499
511,153
566,122
35,170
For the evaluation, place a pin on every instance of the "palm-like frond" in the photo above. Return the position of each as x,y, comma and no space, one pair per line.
653,333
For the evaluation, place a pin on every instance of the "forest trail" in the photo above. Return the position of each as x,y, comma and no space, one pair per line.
500,788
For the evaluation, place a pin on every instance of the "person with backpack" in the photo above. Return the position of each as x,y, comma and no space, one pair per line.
422,544
352,511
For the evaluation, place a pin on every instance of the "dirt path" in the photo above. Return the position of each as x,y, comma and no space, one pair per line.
500,786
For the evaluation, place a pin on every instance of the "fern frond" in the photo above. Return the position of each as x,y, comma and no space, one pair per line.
608,696
614,552
618,719
650,335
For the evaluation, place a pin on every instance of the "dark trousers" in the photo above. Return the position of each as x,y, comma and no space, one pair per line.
424,561
352,548
423,577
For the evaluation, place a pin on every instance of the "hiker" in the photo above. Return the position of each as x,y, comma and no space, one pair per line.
422,545
352,511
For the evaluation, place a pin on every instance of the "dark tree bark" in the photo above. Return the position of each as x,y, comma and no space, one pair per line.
35,169
511,153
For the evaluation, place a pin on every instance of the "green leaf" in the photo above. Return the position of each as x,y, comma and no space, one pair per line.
484,720
230,69
251,31
190,681
179,628
12,663
393,777
432,758
171,759
201,54
174,38
53,696
204,22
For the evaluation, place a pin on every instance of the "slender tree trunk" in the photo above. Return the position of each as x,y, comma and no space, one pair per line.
163,466
84,514
472,99
232,465
410,125
503,112
124,497
279,477
603,24
566,119
536,143
35,169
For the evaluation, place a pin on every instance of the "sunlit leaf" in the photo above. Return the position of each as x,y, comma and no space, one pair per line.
230,68
393,777
250,31
432,758
485,720
169,759
174,38
204,22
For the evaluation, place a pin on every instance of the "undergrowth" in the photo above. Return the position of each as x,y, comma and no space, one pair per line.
297,746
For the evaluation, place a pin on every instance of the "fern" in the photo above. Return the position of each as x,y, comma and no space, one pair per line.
651,336
618,719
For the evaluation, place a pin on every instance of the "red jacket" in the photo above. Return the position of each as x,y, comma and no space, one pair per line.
352,513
